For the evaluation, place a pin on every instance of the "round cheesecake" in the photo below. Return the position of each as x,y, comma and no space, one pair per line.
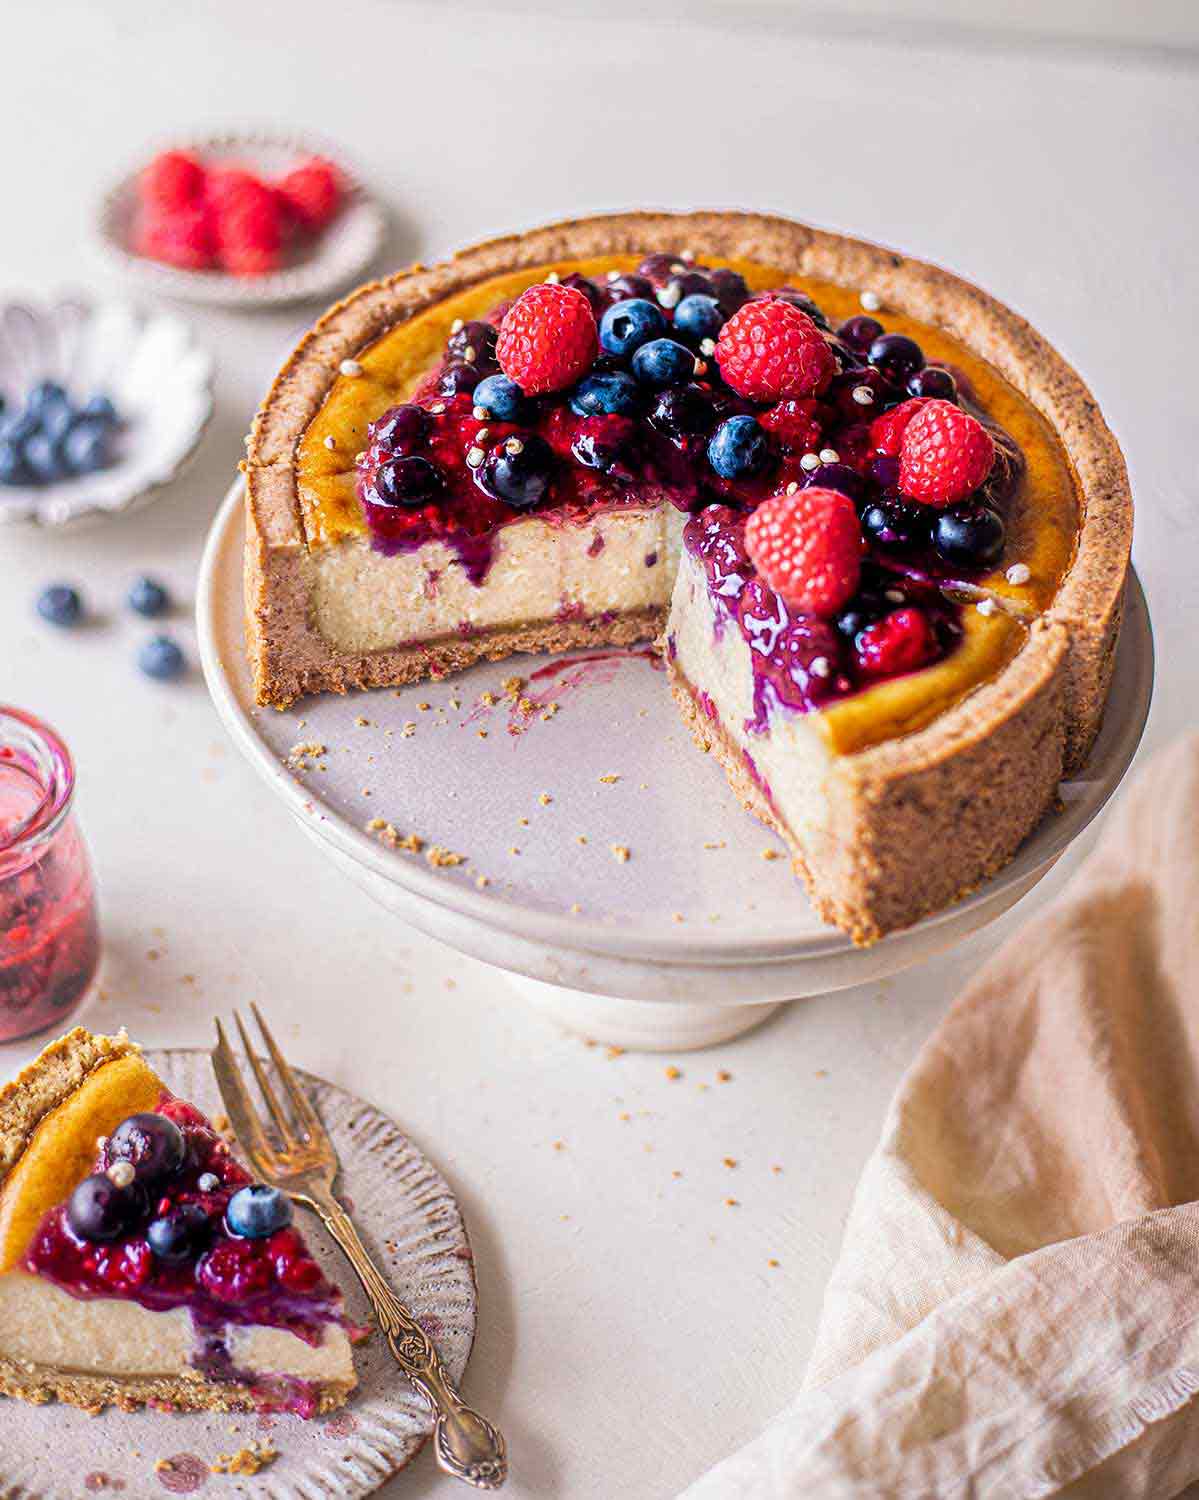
903,749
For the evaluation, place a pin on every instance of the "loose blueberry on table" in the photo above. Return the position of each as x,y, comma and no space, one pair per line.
836,480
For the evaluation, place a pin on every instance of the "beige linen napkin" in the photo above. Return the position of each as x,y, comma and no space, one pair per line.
1015,1312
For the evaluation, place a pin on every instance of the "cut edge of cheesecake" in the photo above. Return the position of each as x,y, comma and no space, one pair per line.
290,658
47,1084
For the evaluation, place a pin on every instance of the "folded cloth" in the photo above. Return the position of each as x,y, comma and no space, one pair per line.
1015,1311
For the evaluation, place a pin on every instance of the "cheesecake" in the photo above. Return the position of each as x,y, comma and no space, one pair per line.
561,439
139,1263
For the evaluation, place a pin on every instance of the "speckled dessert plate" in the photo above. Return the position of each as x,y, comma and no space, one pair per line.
539,805
408,1217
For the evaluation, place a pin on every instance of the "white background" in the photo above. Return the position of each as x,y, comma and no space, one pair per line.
632,1331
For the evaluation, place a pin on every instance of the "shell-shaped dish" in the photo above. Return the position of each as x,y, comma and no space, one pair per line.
337,257
151,367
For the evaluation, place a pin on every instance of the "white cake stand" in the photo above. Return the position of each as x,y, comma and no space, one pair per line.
691,939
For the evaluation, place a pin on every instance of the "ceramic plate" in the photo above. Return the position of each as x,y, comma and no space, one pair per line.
409,1220
337,256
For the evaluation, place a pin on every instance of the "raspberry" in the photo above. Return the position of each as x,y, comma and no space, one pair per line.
311,192
248,226
886,432
900,642
945,454
184,237
174,179
797,426
771,350
808,548
547,339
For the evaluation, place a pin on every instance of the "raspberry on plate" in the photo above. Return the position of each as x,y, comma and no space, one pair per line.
548,338
173,180
808,548
886,432
312,193
184,237
769,351
945,454
249,229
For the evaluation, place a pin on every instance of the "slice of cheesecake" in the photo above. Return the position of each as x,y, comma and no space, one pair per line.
138,1262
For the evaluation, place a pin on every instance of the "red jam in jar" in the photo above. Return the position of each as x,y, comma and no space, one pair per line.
49,934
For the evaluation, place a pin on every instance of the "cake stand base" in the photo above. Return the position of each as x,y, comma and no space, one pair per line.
641,1025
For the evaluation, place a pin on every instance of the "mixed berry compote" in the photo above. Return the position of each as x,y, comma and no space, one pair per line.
677,384
49,934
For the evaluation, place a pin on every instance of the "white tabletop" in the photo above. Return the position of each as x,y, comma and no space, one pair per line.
633,1329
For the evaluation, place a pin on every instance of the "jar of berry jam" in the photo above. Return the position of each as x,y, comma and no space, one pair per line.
49,934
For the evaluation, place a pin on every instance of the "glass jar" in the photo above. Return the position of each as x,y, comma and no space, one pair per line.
49,933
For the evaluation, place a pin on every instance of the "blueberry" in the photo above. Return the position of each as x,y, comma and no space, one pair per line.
179,1234
897,356
12,462
606,443
161,658
698,317
87,446
628,325
729,289
621,288
932,380
610,393
400,429
972,534
99,408
474,343
43,458
99,1210
405,481
148,597
662,362
895,524
45,393
151,1143
257,1211
738,448
519,471
684,411
20,426
458,377
56,418
860,332
837,477
502,397
60,604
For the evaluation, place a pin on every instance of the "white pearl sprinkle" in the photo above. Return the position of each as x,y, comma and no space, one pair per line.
670,294
687,255
121,1174
707,346
481,435
820,666
208,1182
480,413
350,368
330,441
1018,573
514,446
613,275
871,301
863,395
437,408
894,596
809,462
475,457
677,267
829,456
553,278
469,354
793,487
985,606
457,326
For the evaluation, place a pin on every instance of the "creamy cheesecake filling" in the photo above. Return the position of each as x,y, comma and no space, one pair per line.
41,1325
542,570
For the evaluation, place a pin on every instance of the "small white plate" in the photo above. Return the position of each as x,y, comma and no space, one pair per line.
336,257
409,1220
151,367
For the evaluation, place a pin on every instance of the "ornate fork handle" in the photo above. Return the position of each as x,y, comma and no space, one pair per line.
466,1444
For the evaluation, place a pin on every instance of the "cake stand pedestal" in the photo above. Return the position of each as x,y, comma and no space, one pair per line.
586,849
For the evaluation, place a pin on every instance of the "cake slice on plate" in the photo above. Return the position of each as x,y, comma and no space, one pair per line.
139,1263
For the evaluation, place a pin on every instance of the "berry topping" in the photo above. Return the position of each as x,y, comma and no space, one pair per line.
547,339
896,525
629,285
501,398
161,658
663,362
179,1234
99,1210
402,429
739,448
257,1211
808,548
312,192
860,332
771,350
233,1272
933,381
519,471
886,432
900,642
796,426
459,378
474,343
836,476
627,325
612,392
607,443
897,356
729,289
698,317
405,481
945,454
60,604
684,411
970,533
151,1144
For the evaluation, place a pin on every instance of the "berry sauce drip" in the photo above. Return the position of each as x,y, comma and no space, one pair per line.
713,399
162,1240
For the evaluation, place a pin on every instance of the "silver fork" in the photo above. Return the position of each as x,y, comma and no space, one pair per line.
306,1167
